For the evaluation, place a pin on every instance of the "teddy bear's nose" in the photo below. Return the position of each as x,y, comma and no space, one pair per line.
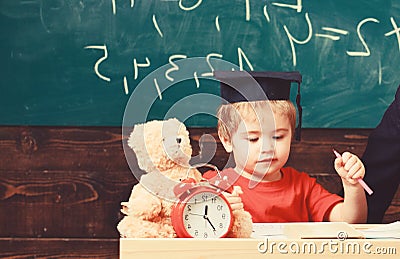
178,140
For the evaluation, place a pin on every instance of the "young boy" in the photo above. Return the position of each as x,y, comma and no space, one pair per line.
256,126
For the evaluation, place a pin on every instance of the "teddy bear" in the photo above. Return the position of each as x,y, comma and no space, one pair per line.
163,152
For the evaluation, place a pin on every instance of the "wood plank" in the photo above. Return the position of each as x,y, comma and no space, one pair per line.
58,248
40,148
62,204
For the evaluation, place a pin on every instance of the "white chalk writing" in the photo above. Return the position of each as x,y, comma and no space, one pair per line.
298,33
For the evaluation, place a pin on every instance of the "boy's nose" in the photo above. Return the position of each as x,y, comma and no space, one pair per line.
268,145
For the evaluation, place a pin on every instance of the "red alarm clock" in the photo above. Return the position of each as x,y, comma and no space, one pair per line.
202,211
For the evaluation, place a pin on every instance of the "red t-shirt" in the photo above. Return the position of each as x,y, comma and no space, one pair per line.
296,197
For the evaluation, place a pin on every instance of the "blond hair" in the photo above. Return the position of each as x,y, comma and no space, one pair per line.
231,115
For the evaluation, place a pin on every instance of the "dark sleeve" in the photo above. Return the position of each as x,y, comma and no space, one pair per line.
382,161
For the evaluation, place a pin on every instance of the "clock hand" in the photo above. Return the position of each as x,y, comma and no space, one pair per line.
206,217
210,223
196,214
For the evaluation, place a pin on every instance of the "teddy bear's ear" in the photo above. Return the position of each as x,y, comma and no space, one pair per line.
134,140
176,121
137,143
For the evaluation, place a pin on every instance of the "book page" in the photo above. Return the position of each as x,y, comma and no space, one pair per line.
335,230
391,230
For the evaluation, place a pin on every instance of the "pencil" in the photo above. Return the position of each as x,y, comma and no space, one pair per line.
360,181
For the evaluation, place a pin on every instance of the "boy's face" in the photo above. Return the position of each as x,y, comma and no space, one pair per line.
260,149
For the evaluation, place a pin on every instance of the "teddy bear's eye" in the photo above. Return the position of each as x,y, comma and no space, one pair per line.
178,140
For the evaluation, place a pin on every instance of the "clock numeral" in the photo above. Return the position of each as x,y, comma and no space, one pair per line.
204,197
189,207
205,235
196,233
186,217
220,207
214,200
223,216
221,225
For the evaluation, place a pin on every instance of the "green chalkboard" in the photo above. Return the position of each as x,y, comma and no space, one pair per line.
71,62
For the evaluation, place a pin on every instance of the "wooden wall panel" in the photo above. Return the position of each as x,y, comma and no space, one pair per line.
61,148
62,203
66,183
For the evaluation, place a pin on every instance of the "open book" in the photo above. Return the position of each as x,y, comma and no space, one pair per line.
331,230
391,230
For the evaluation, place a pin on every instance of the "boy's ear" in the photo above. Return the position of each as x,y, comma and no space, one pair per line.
226,143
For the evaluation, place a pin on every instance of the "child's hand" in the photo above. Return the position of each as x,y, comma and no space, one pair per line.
234,199
349,167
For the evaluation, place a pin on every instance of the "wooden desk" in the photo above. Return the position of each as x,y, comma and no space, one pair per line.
260,248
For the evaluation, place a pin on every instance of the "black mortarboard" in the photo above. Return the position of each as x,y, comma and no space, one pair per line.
243,86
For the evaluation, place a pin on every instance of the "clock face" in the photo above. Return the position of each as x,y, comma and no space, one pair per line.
206,215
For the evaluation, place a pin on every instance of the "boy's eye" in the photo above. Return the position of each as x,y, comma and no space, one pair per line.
255,139
278,137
